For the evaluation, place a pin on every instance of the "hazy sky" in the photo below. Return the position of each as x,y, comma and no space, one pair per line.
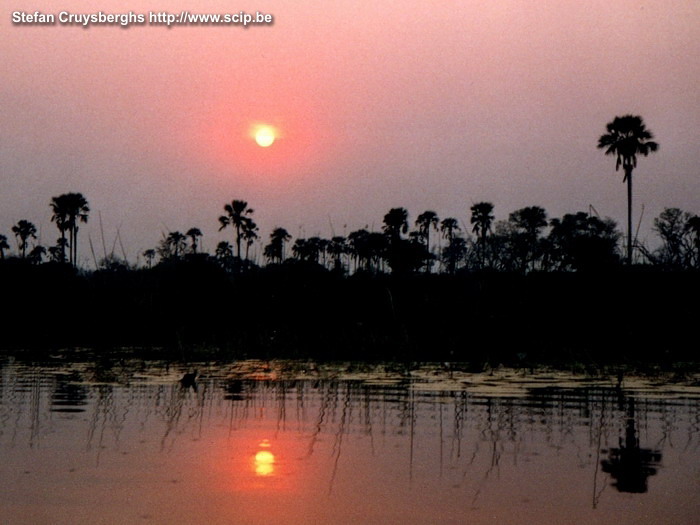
425,105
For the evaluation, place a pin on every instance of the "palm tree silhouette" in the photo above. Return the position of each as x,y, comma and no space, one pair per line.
69,209
3,246
250,234
395,223
223,250
425,221
176,243
448,227
24,230
482,219
194,234
59,207
274,251
626,138
236,217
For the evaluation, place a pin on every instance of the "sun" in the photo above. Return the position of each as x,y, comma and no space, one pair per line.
265,135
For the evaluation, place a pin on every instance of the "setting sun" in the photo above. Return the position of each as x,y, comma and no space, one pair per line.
265,136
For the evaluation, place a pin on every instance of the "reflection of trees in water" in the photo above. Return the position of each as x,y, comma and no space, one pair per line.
629,464
474,435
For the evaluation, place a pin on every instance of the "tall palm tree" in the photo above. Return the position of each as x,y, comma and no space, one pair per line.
59,207
482,219
194,234
68,210
237,217
24,230
425,222
3,246
626,138
250,234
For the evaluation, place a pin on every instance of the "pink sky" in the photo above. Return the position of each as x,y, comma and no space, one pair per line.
430,105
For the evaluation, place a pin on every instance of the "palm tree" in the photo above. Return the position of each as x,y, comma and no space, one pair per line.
425,221
274,251
223,250
194,234
177,242
395,223
59,207
24,230
448,227
236,217
626,138
3,246
69,209
250,234
482,219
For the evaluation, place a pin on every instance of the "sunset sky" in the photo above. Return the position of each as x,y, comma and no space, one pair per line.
425,105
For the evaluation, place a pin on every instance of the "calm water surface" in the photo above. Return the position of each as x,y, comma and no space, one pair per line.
257,442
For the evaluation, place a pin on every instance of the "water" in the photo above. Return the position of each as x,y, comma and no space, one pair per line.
256,442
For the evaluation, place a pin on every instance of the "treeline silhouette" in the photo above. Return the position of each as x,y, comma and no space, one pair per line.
527,241
522,289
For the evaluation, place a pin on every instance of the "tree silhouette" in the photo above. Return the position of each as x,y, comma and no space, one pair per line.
528,223
581,241
694,227
425,221
149,255
454,252
274,251
3,246
36,255
395,223
59,207
173,245
626,138
482,219
237,217
449,226
24,230
250,234
68,210
194,234
672,226
336,249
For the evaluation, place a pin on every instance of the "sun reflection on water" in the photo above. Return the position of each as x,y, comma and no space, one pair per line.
264,460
